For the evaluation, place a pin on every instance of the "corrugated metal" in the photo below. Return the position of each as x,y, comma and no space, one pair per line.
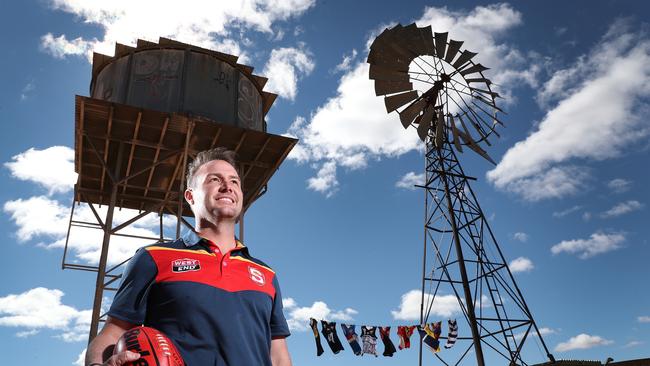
189,81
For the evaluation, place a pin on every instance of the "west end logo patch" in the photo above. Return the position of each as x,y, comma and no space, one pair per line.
257,276
185,265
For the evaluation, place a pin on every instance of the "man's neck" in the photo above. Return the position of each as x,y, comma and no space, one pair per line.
222,235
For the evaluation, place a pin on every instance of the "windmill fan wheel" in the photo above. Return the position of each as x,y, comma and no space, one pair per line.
433,84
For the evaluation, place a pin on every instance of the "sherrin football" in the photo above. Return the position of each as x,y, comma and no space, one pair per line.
154,347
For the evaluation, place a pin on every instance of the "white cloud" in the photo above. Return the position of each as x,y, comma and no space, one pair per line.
598,243
346,63
51,168
47,220
27,333
298,317
622,208
409,307
325,181
81,359
586,216
619,185
643,319
285,67
521,264
522,237
543,331
409,180
352,127
560,214
633,344
582,341
202,23
598,113
27,90
41,308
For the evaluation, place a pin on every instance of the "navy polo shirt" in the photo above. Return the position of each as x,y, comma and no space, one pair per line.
218,308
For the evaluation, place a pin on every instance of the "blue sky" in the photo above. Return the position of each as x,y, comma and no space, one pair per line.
341,223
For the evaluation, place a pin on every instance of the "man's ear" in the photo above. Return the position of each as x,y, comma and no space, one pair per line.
189,196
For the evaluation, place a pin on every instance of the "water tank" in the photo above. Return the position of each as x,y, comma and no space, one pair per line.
175,77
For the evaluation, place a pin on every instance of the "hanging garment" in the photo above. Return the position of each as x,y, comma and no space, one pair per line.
404,333
369,340
329,332
453,333
429,338
389,347
313,323
351,336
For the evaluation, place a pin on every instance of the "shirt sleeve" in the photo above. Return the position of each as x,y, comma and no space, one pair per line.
130,302
279,326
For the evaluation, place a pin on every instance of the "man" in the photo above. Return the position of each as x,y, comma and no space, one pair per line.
218,304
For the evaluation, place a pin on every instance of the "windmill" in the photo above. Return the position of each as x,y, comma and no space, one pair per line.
437,87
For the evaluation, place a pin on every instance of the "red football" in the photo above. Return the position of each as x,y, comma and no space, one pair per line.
154,347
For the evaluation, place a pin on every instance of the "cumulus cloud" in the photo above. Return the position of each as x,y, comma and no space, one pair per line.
597,110
633,344
285,67
325,181
543,331
41,308
409,180
346,63
619,185
560,214
298,317
598,243
409,307
352,128
202,23
582,341
521,264
51,168
622,208
643,319
522,237
47,220
81,359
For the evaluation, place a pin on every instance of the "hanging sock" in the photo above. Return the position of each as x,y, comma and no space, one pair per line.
389,347
329,332
453,333
404,333
351,336
313,323
369,340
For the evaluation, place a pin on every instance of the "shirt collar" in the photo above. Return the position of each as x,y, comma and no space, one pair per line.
191,238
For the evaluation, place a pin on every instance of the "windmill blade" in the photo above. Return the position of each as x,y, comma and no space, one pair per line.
440,124
478,128
479,80
464,58
409,39
474,69
491,104
382,73
425,123
441,44
426,34
389,58
416,120
410,112
477,149
454,131
395,101
493,114
486,92
383,87
452,50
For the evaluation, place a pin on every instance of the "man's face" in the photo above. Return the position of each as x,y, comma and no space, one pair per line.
216,192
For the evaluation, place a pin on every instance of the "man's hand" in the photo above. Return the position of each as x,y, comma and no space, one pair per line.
120,359
101,347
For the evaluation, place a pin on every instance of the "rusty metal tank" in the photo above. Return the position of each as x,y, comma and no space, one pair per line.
175,77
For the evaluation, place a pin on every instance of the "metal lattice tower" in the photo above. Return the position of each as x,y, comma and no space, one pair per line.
436,87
